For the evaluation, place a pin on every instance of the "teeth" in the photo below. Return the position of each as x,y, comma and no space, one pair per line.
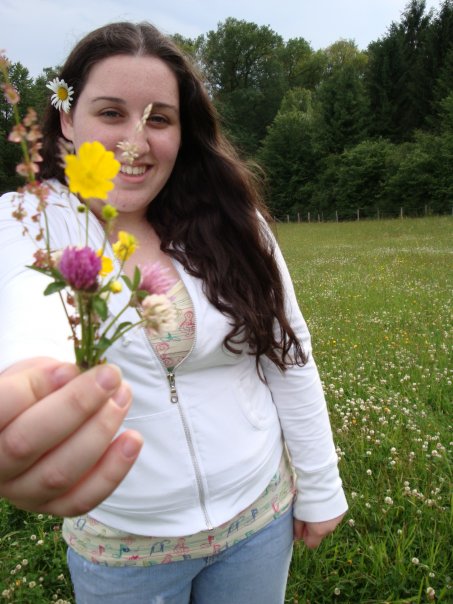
133,170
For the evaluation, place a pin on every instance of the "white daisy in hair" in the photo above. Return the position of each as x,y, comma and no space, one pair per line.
62,97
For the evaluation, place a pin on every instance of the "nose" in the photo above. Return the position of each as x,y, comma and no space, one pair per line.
140,137
136,142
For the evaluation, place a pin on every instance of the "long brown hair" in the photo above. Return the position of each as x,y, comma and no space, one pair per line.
209,215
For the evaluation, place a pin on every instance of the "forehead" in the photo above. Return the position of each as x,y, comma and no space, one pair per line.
133,76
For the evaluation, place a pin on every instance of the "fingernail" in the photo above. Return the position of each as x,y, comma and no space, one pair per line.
122,396
108,377
131,447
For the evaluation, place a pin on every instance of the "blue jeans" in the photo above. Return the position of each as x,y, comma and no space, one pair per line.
254,571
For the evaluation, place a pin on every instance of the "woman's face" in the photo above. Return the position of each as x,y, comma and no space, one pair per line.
110,107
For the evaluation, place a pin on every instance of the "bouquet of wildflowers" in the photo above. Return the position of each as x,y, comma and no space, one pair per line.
86,276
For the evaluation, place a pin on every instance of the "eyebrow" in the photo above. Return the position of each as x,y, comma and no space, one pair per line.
115,99
112,99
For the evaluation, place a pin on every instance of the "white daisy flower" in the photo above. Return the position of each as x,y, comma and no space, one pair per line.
62,97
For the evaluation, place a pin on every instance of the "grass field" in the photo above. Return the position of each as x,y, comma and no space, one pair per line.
378,300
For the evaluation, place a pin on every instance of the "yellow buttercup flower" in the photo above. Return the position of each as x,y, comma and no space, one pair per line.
106,264
125,246
91,171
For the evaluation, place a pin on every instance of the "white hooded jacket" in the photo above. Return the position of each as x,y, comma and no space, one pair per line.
213,431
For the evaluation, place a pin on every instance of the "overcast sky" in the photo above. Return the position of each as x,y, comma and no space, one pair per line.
41,33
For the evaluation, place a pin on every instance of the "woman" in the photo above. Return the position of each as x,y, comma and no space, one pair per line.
207,512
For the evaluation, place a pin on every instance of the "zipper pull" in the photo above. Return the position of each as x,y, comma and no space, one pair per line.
171,382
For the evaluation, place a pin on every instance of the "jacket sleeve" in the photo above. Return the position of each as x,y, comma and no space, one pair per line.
31,324
301,405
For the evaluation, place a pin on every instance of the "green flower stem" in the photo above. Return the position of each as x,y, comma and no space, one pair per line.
115,319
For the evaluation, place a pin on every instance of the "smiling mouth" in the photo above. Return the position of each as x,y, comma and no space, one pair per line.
133,170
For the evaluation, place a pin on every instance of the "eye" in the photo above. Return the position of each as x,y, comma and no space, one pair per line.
110,113
157,119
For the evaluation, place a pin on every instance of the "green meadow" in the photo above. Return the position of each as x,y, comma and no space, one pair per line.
377,296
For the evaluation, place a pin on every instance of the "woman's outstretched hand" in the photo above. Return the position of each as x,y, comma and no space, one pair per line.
56,431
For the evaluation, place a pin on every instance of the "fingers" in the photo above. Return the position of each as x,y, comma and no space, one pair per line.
56,472
25,383
50,421
99,482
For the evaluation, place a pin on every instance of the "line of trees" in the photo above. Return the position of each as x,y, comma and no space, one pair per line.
338,130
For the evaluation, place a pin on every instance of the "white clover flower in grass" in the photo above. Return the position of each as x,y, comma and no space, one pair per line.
62,97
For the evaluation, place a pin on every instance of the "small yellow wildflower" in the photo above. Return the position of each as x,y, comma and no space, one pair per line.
125,246
109,212
91,171
106,264
115,287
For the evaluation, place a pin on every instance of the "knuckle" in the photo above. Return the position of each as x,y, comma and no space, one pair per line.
55,479
15,445
81,403
108,421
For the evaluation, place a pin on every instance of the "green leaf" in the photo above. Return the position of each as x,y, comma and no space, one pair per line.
54,287
141,294
103,343
127,281
120,328
123,325
50,272
137,276
100,306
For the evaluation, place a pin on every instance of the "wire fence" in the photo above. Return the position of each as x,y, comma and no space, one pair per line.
359,214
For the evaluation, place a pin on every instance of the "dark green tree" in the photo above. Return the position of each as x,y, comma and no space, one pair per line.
302,67
340,102
245,76
362,174
399,75
39,92
288,155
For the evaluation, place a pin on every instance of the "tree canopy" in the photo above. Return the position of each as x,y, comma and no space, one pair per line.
337,130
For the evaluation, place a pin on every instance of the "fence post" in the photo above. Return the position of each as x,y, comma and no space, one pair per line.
308,214
358,213
401,213
336,215
298,217
287,217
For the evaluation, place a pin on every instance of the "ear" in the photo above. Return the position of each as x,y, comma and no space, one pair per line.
66,125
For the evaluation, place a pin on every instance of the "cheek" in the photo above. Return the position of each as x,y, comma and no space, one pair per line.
170,151
90,133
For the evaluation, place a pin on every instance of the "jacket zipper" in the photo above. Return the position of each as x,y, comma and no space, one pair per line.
174,399
201,494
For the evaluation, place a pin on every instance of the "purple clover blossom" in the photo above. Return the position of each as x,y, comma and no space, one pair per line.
80,267
155,279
